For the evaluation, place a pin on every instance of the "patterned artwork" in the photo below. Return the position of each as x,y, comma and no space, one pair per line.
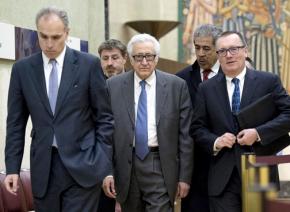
264,23
18,42
26,42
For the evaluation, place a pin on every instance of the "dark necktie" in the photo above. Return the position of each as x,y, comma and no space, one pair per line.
236,96
141,131
53,90
53,85
205,74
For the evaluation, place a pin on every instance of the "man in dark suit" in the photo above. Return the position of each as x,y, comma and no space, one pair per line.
64,92
153,164
205,67
215,128
113,55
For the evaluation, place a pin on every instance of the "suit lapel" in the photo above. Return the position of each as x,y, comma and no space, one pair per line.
69,73
39,81
161,94
128,94
195,78
249,88
222,96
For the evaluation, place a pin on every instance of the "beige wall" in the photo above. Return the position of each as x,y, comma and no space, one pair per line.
4,79
132,10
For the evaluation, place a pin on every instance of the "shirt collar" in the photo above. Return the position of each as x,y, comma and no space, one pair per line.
149,80
214,68
240,76
59,59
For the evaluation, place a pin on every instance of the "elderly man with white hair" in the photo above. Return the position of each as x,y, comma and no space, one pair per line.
153,152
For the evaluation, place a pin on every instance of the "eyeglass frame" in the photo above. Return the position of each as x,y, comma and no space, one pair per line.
223,52
144,56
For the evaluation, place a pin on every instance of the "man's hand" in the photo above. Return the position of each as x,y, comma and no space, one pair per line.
11,183
247,137
226,140
182,189
109,187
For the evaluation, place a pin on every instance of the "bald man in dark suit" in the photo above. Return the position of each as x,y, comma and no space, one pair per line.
65,94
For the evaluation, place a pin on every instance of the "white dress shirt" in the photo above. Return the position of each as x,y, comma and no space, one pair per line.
231,85
230,89
151,105
48,67
214,71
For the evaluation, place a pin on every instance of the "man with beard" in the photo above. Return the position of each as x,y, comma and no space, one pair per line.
113,56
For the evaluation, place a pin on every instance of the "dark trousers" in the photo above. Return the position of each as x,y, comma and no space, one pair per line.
195,201
106,204
147,192
64,194
230,199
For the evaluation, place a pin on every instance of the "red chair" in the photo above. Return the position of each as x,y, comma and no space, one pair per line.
23,201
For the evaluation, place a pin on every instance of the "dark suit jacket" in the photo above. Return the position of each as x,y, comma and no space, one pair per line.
173,118
213,117
191,75
198,190
82,124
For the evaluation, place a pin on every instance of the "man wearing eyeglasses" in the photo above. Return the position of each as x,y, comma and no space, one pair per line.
215,128
205,67
153,152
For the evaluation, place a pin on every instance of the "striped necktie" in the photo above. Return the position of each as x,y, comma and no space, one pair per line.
236,96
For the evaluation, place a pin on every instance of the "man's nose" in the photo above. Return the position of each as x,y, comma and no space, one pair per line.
144,61
110,61
200,52
49,43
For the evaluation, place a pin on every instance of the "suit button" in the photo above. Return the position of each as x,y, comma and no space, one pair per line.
129,161
130,145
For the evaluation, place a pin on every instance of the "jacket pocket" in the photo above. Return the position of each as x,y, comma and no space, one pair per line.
88,140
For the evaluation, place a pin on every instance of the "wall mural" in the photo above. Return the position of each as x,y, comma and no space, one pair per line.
26,42
264,23
18,42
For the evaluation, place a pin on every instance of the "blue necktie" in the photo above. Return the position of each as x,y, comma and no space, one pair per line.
236,96
53,90
141,130
53,85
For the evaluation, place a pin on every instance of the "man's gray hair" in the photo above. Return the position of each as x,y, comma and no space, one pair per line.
141,38
53,10
207,30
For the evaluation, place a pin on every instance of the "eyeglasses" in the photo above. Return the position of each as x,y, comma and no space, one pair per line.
140,57
232,51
